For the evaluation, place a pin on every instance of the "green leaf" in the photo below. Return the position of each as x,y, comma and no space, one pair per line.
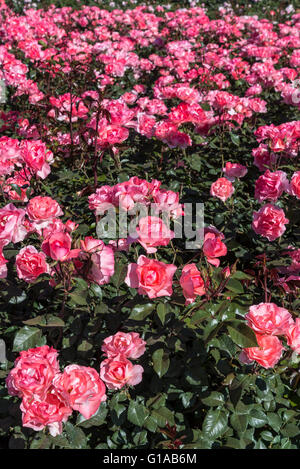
76,437
234,286
235,139
241,334
162,311
214,399
161,362
28,337
215,424
137,413
140,312
257,418
46,320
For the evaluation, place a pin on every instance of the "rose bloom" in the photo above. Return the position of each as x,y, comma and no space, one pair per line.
213,246
153,232
12,226
293,335
268,318
129,345
222,188
151,277
103,265
41,210
30,264
33,372
82,388
118,371
58,247
270,185
50,412
267,354
191,283
234,170
269,222
3,261
294,188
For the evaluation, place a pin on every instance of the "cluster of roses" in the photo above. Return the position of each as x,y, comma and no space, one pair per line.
49,396
269,321
19,162
92,259
282,142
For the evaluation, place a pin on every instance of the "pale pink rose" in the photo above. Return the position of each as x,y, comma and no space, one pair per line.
101,200
268,318
168,201
267,354
42,210
129,344
118,371
271,185
12,227
82,388
294,188
293,335
269,222
234,170
58,247
191,283
153,232
50,412
91,244
103,265
151,277
213,247
222,188
33,372
30,264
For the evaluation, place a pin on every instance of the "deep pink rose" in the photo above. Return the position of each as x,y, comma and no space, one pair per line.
222,188
268,318
269,222
42,210
129,344
33,372
30,264
270,185
82,388
118,371
151,277
294,188
191,283
267,354
58,247
213,247
234,170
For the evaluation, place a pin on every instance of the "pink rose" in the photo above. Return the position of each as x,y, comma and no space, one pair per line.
268,318
213,246
3,261
101,200
118,371
33,372
82,388
168,201
50,412
103,265
41,210
234,170
130,345
191,283
293,335
151,277
267,354
12,226
270,185
294,188
153,232
30,264
58,247
222,188
269,222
